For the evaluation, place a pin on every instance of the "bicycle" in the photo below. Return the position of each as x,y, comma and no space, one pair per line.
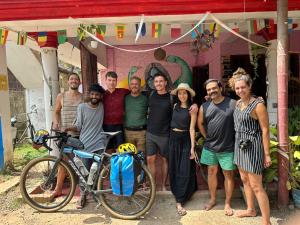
29,127
38,180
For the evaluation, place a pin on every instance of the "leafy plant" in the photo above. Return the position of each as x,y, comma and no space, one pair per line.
294,173
294,120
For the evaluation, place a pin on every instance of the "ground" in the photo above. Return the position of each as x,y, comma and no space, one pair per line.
14,211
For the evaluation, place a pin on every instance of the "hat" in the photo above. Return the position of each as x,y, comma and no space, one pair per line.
183,86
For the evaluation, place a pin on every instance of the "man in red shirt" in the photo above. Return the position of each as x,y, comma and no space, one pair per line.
114,99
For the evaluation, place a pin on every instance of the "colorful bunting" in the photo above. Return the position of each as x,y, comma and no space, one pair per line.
61,36
81,33
22,38
234,27
143,30
270,25
100,31
42,38
291,25
175,30
120,31
156,30
197,31
215,28
3,36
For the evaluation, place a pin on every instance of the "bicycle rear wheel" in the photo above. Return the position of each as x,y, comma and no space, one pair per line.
38,181
124,207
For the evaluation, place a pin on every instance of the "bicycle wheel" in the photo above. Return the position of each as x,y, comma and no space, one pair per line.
124,207
38,180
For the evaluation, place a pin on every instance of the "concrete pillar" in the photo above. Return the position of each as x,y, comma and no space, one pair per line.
6,148
51,81
271,65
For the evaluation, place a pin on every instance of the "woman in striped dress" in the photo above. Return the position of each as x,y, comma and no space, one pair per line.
252,153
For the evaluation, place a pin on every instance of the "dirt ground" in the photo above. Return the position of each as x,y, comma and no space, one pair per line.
14,212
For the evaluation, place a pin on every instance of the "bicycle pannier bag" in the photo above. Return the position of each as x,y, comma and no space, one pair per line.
123,174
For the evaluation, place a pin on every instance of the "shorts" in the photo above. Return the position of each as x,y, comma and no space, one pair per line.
157,144
225,159
138,138
116,140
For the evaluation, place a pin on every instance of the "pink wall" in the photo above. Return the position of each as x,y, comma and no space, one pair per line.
228,44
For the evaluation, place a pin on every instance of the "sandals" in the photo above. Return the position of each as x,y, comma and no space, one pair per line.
81,202
181,212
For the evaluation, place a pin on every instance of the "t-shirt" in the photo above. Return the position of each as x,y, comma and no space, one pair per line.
219,125
181,118
136,108
160,114
114,106
89,122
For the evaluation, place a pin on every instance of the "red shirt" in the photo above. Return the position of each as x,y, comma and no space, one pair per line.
114,106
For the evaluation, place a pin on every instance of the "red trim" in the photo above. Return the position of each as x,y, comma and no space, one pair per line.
51,39
11,10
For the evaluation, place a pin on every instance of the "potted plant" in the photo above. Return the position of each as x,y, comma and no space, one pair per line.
293,183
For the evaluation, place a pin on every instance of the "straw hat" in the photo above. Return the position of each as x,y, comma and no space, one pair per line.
183,86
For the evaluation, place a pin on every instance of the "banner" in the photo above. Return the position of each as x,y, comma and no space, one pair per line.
156,30
175,30
22,38
42,38
197,31
61,36
143,30
3,36
120,31
100,31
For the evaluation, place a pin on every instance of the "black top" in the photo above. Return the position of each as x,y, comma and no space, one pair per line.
160,114
219,125
181,118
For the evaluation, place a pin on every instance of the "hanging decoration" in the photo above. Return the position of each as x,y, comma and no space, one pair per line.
270,26
100,31
120,31
197,30
61,36
291,25
214,29
80,33
235,27
175,30
156,30
3,36
140,29
42,38
22,38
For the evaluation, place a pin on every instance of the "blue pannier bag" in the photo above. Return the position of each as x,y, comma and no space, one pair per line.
123,174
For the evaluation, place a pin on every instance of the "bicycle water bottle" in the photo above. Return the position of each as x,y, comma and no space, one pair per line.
93,170
80,166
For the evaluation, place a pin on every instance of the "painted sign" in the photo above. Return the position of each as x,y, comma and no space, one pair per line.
3,83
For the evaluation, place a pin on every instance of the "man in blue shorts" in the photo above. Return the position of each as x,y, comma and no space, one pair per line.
215,121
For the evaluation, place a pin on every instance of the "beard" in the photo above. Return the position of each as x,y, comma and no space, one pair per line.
94,101
74,88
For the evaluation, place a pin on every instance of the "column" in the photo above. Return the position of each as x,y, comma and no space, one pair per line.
271,66
6,148
51,76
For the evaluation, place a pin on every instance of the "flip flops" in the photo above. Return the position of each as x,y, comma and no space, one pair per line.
181,212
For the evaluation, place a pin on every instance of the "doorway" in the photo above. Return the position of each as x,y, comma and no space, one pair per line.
200,75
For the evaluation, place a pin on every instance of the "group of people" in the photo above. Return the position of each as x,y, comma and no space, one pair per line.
164,121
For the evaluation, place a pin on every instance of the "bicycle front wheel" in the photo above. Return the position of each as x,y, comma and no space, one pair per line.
39,179
131,207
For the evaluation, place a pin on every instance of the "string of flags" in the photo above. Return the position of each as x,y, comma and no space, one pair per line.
213,29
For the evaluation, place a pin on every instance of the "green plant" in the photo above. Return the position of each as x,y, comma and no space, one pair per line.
294,120
294,172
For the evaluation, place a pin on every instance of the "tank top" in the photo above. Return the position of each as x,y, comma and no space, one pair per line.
68,112
181,118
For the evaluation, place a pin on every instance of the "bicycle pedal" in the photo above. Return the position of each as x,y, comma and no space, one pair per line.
98,205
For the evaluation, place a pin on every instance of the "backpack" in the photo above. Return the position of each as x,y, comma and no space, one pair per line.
124,174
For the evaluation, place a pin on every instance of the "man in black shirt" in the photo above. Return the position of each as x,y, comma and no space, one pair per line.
158,126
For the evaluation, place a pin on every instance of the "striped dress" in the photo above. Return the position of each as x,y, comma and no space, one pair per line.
248,128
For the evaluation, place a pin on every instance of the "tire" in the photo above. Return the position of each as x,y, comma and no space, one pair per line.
113,203
36,193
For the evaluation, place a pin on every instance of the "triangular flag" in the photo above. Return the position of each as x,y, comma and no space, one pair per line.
100,31
197,31
120,31
156,30
3,36
214,28
81,33
42,38
270,25
260,24
234,27
22,38
252,26
291,25
175,30
143,30
61,36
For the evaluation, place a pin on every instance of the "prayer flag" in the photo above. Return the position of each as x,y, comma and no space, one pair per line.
156,30
3,36
143,30
61,36
197,31
22,38
100,31
42,38
120,31
175,30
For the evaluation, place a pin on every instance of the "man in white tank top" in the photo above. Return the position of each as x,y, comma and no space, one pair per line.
64,116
